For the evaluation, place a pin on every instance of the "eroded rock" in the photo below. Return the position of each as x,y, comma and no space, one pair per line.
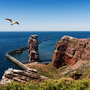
69,50
21,76
33,49
76,76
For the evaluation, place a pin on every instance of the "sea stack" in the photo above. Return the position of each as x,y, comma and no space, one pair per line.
33,49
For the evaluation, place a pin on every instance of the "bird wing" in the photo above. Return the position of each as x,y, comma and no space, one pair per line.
10,20
17,23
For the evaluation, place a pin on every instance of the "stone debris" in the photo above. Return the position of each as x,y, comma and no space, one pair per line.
21,76
76,76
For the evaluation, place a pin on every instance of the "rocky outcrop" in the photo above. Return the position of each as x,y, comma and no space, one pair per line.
69,50
33,49
21,76
76,76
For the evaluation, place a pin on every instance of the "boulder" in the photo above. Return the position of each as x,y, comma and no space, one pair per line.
69,50
76,76
21,76
33,49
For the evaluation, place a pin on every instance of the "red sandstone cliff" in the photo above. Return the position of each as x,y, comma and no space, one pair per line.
69,50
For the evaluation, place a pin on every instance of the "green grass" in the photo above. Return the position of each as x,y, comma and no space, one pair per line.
50,71
85,59
56,82
69,42
86,73
63,84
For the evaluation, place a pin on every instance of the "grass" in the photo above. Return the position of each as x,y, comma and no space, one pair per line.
50,72
2,86
56,82
73,43
86,73
64,84
85,59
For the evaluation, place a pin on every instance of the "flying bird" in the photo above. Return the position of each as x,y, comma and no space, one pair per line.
12,23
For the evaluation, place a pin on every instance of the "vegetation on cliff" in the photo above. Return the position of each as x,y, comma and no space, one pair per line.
59,78
81,67
63,84
75,51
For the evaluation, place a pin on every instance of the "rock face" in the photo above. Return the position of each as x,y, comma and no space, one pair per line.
33,49
69,50
21,76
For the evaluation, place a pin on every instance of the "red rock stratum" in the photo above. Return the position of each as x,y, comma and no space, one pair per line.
69,50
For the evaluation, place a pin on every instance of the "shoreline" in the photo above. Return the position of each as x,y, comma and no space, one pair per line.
20,50
18,63
23,65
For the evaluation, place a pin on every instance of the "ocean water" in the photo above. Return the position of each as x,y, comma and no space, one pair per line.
11,40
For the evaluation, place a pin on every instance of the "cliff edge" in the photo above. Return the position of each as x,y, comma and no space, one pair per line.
69,50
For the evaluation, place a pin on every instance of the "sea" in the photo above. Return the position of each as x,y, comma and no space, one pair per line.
12,40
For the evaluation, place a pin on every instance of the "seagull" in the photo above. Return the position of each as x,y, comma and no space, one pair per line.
12,23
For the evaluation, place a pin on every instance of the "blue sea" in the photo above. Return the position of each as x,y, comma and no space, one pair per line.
11,40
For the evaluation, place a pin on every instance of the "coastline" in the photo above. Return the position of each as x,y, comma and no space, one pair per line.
24,66
18,63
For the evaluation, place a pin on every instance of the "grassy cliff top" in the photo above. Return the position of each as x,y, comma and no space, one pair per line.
81,67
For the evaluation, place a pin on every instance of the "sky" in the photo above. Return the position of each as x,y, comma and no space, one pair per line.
45,15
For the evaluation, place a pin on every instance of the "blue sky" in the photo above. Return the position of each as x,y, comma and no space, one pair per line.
45,15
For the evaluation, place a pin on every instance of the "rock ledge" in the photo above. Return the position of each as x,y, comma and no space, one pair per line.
21,76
